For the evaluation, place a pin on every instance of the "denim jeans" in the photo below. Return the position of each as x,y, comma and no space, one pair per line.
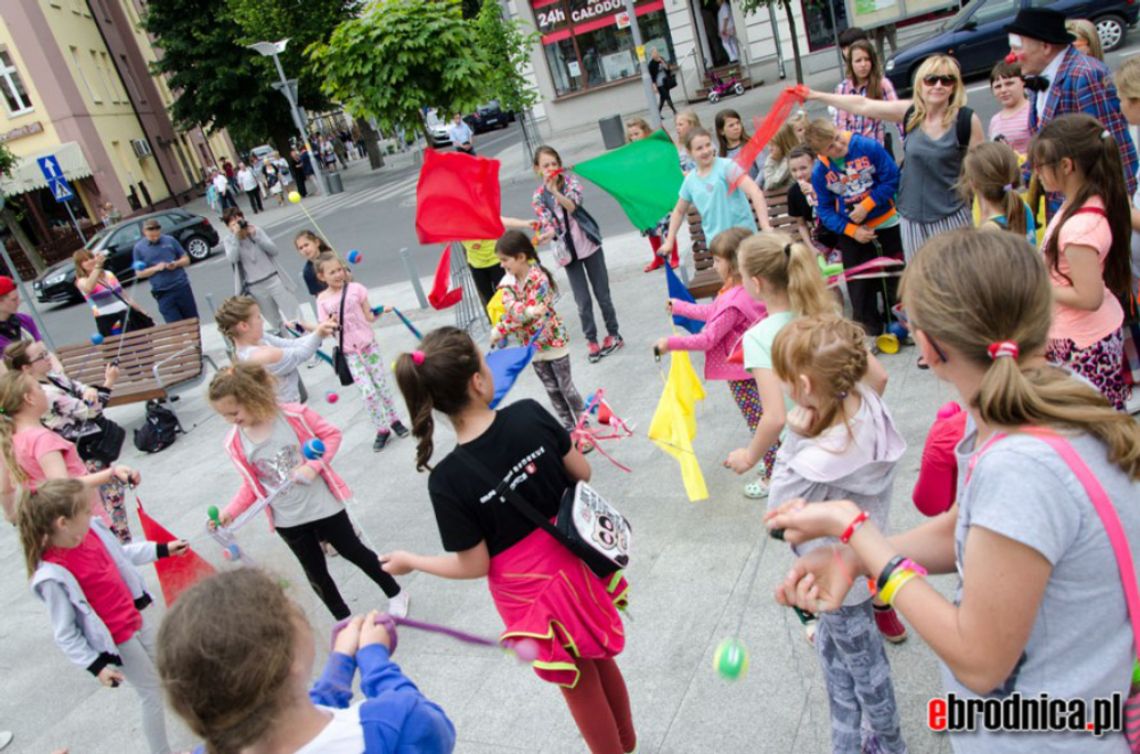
594,268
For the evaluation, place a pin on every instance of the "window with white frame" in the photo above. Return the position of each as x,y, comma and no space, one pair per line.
15,95
83,76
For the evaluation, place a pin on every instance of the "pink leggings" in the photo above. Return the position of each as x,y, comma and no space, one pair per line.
599,704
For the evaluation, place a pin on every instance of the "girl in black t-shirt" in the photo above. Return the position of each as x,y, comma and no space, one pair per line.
541,590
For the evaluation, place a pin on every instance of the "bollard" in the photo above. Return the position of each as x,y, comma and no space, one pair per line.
414,276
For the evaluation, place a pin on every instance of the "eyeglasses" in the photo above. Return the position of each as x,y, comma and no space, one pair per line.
946,81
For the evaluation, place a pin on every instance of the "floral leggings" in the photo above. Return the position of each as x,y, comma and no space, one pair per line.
367,367
747,398
1101,363
113,501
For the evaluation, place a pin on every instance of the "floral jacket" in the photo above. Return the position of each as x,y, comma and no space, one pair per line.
528,311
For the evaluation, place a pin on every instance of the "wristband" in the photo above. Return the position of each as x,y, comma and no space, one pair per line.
888,569
896,582
908,563
853,526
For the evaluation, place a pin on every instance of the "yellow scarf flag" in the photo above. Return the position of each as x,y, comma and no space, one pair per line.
674,422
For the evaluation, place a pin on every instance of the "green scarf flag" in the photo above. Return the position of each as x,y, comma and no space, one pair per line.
643,176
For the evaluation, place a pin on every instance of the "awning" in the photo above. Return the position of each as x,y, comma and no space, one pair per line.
26,175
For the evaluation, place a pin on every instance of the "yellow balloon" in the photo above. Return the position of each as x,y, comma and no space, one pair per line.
294,197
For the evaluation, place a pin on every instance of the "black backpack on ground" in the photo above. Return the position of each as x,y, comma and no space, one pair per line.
160,429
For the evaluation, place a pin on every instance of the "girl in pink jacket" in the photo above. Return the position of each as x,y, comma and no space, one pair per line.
726,320
266,447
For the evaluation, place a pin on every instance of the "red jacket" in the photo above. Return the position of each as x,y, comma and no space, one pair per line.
307,424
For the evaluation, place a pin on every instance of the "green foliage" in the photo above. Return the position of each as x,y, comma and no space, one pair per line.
7,159
398,56
506,45
218,81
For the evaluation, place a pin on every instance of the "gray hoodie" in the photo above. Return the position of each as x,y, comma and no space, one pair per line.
842,464
79,632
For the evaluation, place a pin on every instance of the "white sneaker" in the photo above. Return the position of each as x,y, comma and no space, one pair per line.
757,489
398,605
313,362
5,738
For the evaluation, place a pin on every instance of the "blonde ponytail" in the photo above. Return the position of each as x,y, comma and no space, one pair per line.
969,289
14,387
787,265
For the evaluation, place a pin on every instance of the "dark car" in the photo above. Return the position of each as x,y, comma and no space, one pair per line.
976,35
488,117
194,232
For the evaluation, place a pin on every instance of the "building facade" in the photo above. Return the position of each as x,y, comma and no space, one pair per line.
76,83
585,65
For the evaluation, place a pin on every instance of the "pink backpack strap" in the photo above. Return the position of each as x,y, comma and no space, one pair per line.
1104,509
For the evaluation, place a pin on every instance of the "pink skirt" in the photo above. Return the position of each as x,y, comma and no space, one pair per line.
544,592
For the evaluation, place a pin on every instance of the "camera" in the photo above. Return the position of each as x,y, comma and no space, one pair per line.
243,224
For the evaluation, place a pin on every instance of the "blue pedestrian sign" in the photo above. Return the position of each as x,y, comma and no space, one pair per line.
57,183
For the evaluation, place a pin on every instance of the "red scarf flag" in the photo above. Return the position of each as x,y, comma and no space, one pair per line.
441,295
178,573
457,198
790,98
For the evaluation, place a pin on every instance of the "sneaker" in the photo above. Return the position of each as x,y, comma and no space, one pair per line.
398,605
889,624
313,362
399,429
594,353
611,344
757,489
380,441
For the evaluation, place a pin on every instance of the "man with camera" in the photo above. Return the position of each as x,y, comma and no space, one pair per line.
258,271
164,264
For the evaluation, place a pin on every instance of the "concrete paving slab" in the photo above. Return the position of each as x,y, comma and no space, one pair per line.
691,577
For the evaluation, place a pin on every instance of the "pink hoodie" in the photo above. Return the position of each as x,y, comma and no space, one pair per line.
726,319
307,424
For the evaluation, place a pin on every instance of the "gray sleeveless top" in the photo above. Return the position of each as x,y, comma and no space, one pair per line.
928,186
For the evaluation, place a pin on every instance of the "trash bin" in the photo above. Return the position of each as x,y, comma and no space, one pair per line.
336,186
613,132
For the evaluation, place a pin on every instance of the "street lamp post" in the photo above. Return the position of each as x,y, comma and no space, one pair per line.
273,50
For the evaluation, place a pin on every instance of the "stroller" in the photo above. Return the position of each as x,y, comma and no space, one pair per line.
721,87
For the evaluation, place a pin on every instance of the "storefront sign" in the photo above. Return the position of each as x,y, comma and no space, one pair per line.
19,133
551,17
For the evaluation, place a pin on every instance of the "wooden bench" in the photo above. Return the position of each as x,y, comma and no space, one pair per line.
705,282
152,361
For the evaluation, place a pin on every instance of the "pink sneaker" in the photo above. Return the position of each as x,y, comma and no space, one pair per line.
889,624
594,353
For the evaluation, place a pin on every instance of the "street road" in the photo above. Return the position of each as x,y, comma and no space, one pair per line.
376,213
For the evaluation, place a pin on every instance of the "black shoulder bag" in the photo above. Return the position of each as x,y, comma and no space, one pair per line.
586,524
340,363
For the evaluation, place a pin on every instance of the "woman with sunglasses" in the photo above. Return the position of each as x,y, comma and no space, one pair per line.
939,129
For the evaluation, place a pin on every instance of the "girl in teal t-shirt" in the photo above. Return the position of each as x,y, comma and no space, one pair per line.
707,188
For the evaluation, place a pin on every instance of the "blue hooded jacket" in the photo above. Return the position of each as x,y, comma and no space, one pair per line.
869,177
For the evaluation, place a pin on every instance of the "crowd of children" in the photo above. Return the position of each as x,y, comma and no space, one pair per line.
1025,478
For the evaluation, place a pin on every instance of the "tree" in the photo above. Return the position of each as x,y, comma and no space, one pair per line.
751,6
506,45
226,85
11,219
399,56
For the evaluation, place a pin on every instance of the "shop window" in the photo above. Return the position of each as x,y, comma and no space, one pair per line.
584,46
817,21
14,93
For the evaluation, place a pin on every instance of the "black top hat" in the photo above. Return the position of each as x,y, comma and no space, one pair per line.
1041,24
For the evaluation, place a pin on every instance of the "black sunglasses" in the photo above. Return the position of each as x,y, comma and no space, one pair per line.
936,79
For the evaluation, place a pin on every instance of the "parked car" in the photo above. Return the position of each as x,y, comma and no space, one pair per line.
487,117
194,232
976,35
437,129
